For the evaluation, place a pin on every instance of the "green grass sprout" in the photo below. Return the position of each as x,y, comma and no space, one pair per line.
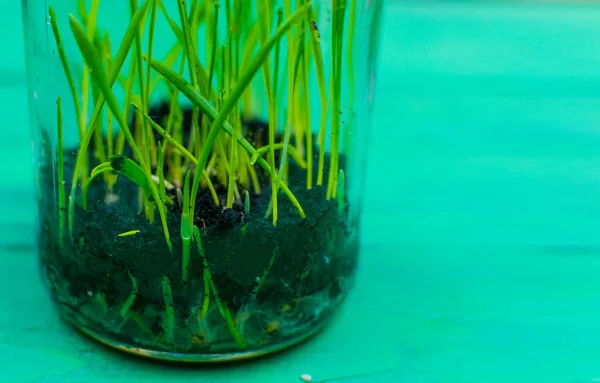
235,95
246,213
174,27
288,128
67,69
305,112
182,150
265,29
99,74
266,272
223,308
193,67
162,189
116,66
187,224
293,152
206,275
101,169
339,8
127,304
133,171
210,112
223,114
145,146
247,204
213,42
169,318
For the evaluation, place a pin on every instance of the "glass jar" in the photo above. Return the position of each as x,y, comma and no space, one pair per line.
270,100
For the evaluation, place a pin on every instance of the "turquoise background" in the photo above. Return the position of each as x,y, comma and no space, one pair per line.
481,245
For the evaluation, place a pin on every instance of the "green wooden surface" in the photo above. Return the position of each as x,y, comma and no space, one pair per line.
480,255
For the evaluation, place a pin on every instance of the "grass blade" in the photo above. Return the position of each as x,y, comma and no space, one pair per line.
131,170
223,308
162,191
293,152
88,183
247,204
115,69
67,70
91,57
181,149
305,38
174,27
170,60
249,49
210,112
192,66
206,274
169,318
277,58
148,79
339,12
214,43
102,167
288,128
127,305
315,39
187,225
265,29
140,73
238,90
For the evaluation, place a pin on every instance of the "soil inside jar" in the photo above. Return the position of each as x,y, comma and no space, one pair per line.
277,282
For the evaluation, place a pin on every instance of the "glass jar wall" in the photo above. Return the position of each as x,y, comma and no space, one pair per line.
199,167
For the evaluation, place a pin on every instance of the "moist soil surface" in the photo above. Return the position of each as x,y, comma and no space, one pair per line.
277,281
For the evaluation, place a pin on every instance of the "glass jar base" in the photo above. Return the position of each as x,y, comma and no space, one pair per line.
201,358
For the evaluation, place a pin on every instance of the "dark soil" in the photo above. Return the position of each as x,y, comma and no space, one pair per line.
313,262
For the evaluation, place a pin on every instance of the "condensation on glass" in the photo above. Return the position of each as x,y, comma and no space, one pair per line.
200,167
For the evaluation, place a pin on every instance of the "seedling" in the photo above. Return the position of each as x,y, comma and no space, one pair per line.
174,213
169,317
247,210
127,305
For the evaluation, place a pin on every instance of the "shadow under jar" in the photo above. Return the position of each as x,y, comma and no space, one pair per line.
200,167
